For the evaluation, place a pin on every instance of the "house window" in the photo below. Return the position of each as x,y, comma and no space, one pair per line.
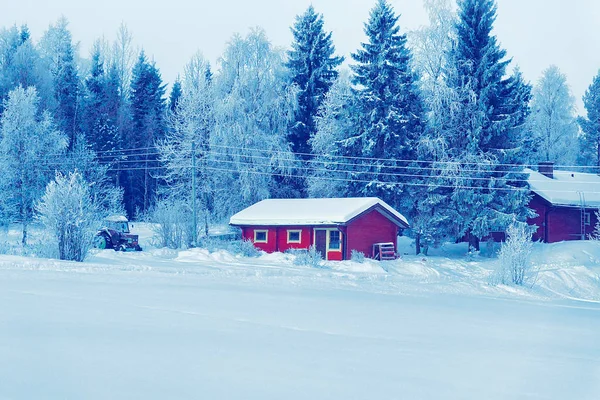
334,240
261,236
586,218
294,236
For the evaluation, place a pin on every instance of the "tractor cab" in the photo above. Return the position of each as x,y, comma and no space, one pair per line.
118,226
115,234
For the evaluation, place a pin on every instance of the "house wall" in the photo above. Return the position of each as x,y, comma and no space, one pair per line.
368,229
282,236
564,223
270,246
360,235
540,207
277,237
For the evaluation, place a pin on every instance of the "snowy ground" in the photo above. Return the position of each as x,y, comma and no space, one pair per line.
191,324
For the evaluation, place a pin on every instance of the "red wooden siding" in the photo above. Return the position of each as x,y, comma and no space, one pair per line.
367,230
282,236
360,234
270,246
564,223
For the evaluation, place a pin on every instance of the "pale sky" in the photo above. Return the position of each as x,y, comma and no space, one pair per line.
535,33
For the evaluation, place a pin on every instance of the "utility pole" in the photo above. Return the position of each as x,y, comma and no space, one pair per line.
194,216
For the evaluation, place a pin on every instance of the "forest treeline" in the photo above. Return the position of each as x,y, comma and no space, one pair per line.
438,122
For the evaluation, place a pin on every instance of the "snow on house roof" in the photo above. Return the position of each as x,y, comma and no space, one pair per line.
567,188
309,211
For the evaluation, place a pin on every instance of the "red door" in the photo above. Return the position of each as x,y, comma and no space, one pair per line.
321,242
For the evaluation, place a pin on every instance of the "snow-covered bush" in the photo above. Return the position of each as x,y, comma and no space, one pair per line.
596,234
310,257
68,212
514,256
172,224
357,256
244,248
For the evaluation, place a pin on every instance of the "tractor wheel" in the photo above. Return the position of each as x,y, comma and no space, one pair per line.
138,248
120,247
101,242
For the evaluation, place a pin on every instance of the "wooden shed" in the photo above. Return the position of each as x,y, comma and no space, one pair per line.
334,226
565,203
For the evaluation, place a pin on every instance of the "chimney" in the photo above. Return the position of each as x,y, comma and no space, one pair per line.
546,168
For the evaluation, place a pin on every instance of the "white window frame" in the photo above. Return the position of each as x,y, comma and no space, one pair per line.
587,220
265,231
298,231
329,248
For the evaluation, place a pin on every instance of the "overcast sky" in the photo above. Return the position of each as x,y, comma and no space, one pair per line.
535,33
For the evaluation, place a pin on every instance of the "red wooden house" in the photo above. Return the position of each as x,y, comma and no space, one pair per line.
565,202
334,226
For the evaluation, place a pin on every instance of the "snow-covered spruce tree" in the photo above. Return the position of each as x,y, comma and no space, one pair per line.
335,137
514,262
484,127
99,114
312,65
589,147
175,95
148,126
67,210
552,120
190,128
390,112
253,108
28,142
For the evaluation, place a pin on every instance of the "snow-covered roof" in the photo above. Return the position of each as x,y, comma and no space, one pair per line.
568,188
309,211
116,218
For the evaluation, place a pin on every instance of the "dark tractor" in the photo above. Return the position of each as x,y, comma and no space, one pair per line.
114,234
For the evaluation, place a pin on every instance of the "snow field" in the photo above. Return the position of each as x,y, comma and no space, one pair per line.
197,324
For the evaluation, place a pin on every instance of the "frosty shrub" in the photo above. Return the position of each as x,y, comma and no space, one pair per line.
514,256
244,248
69,214
310,257
357,256
171,224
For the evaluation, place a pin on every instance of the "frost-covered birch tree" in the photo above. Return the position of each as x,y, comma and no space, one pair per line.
191,124
552,120
254,106
29,142
68,211
335,136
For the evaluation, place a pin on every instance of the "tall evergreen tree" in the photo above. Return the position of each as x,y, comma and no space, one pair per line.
484,128
175,95
148,106
391,115
312,64
590,125
98,122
